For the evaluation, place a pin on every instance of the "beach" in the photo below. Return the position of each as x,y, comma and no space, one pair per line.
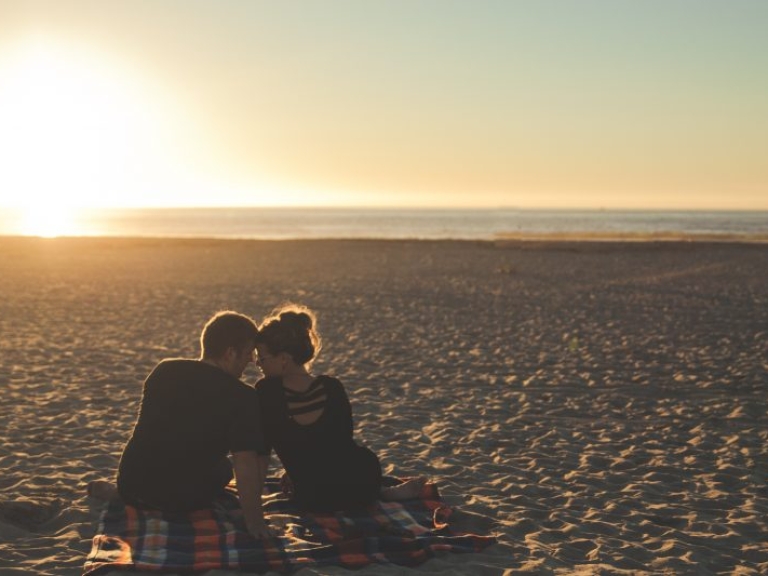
600,407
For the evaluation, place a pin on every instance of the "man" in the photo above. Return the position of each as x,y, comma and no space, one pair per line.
193,413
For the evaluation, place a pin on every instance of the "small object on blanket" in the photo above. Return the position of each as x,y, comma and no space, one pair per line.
406,533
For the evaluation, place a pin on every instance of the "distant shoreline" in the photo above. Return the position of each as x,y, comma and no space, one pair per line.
498,225
498,239
632,237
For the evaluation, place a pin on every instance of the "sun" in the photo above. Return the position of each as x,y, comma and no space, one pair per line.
79,131
60,117
49,222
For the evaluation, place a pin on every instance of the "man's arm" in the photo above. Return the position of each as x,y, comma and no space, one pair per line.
249,475
263,466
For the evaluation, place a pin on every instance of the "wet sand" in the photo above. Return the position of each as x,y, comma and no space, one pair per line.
599,406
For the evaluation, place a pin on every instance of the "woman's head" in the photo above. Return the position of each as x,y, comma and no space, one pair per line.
289,332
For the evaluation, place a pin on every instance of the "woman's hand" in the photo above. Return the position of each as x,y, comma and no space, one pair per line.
286,484
258,528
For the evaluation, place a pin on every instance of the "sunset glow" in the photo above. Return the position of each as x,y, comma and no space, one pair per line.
79,132
70,128
594,105
48,222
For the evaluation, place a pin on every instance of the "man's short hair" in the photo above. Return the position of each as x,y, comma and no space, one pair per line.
225,330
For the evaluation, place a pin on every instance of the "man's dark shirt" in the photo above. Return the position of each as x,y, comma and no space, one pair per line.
192,414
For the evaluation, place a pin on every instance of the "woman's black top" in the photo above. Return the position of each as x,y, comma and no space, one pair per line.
328,469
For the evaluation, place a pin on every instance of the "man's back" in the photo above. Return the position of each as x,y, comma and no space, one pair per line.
192,414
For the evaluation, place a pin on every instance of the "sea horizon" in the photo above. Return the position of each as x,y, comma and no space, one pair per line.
422,223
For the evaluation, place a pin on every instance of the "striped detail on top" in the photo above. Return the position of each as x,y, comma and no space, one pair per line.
311,401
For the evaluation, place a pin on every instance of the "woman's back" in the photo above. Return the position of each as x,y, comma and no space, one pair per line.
311,432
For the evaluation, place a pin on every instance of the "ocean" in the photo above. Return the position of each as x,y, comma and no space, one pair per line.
313,223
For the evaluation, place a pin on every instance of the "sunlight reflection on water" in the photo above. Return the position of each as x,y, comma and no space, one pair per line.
311,223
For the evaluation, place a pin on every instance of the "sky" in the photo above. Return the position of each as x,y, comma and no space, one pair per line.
597,104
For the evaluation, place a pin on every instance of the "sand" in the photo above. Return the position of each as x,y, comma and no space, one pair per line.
599,406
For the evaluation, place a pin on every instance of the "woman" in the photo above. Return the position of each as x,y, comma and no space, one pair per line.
307,420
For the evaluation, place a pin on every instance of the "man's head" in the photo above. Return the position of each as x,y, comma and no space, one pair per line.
228,340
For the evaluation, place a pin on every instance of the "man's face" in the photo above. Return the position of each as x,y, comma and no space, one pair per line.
239,360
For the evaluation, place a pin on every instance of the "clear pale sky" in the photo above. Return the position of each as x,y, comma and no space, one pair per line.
476,103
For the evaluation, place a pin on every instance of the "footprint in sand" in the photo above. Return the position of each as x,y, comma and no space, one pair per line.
26,514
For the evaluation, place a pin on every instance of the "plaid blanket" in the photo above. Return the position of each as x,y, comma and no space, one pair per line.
405,533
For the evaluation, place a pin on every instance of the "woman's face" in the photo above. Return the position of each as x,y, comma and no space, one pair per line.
271,365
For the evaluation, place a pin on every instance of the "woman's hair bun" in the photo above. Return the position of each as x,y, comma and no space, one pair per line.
291,329
297,318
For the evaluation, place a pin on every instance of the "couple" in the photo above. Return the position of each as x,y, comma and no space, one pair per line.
194,413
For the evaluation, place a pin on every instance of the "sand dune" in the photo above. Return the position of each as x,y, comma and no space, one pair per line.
601,407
